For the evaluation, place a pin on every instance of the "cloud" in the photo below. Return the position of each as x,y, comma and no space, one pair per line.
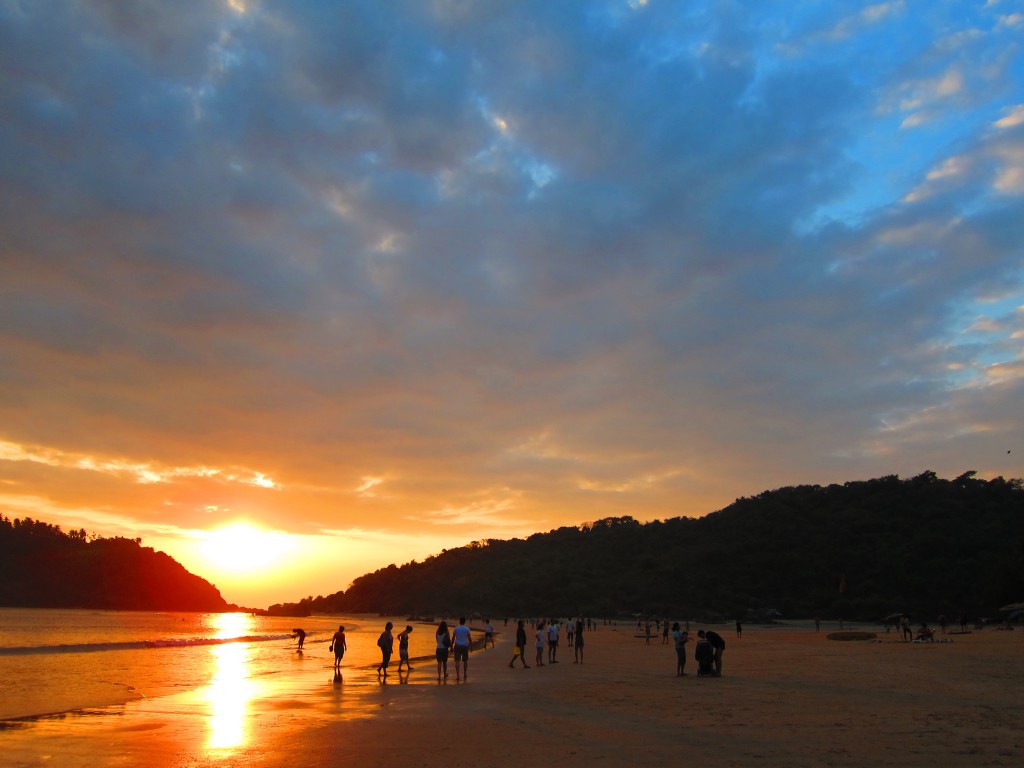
493,268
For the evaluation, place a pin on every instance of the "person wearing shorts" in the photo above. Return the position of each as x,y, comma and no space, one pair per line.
339,647
461,643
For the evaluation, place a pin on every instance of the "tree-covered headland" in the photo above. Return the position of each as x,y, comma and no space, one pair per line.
860,550
41,566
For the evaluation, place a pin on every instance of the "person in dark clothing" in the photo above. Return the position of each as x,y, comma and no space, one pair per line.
704,655
718,645
386,643
520,652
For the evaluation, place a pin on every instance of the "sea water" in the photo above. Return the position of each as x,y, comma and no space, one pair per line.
55,661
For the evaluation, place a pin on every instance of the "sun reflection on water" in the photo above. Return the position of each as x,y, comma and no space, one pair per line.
231,688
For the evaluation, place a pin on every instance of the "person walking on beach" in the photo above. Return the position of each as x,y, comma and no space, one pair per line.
570,631
647,632
339,647
403,649
541,636
444,642
488,633
739,628
680,639
664,632
578,645
462,644
520,646
553,642
386,643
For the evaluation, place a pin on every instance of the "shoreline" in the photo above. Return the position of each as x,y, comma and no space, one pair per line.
787,697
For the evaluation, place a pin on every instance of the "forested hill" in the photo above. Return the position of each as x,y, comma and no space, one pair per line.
43,567
924,545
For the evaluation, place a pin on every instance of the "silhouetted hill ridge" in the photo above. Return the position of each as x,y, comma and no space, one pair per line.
43,567
923,545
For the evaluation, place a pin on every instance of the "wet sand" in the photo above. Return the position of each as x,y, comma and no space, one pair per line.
787,697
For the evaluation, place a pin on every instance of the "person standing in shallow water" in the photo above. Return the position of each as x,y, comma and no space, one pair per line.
386,643
339,647
520,646
403,649
444,642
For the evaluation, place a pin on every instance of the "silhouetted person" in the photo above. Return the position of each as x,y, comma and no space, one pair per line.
444,642
403,649
520,646
704,655
386,643
717,645
339,646
578,645
301,634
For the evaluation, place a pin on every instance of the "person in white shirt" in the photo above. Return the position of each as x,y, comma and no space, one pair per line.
462,646
488,633
553,642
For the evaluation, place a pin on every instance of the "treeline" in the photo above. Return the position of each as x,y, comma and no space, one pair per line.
860,550
43,567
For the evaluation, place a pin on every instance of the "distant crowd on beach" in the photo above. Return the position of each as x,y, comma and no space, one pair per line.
455,643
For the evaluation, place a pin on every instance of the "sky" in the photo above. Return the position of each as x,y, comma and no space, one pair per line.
296,290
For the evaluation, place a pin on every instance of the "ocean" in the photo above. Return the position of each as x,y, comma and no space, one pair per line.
59,661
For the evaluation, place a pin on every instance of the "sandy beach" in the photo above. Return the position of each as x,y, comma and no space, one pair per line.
788,697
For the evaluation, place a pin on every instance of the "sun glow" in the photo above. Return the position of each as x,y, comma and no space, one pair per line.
241,547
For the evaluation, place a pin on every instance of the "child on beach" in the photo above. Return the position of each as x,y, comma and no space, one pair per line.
403,649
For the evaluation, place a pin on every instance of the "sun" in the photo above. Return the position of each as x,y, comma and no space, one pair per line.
241,547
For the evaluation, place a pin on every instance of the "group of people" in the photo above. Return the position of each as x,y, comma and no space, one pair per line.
457,641
547,636
707,652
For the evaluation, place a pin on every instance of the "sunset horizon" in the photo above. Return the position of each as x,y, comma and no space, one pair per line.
293,292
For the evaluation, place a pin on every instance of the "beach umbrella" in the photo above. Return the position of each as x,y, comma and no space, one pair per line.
1013,607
